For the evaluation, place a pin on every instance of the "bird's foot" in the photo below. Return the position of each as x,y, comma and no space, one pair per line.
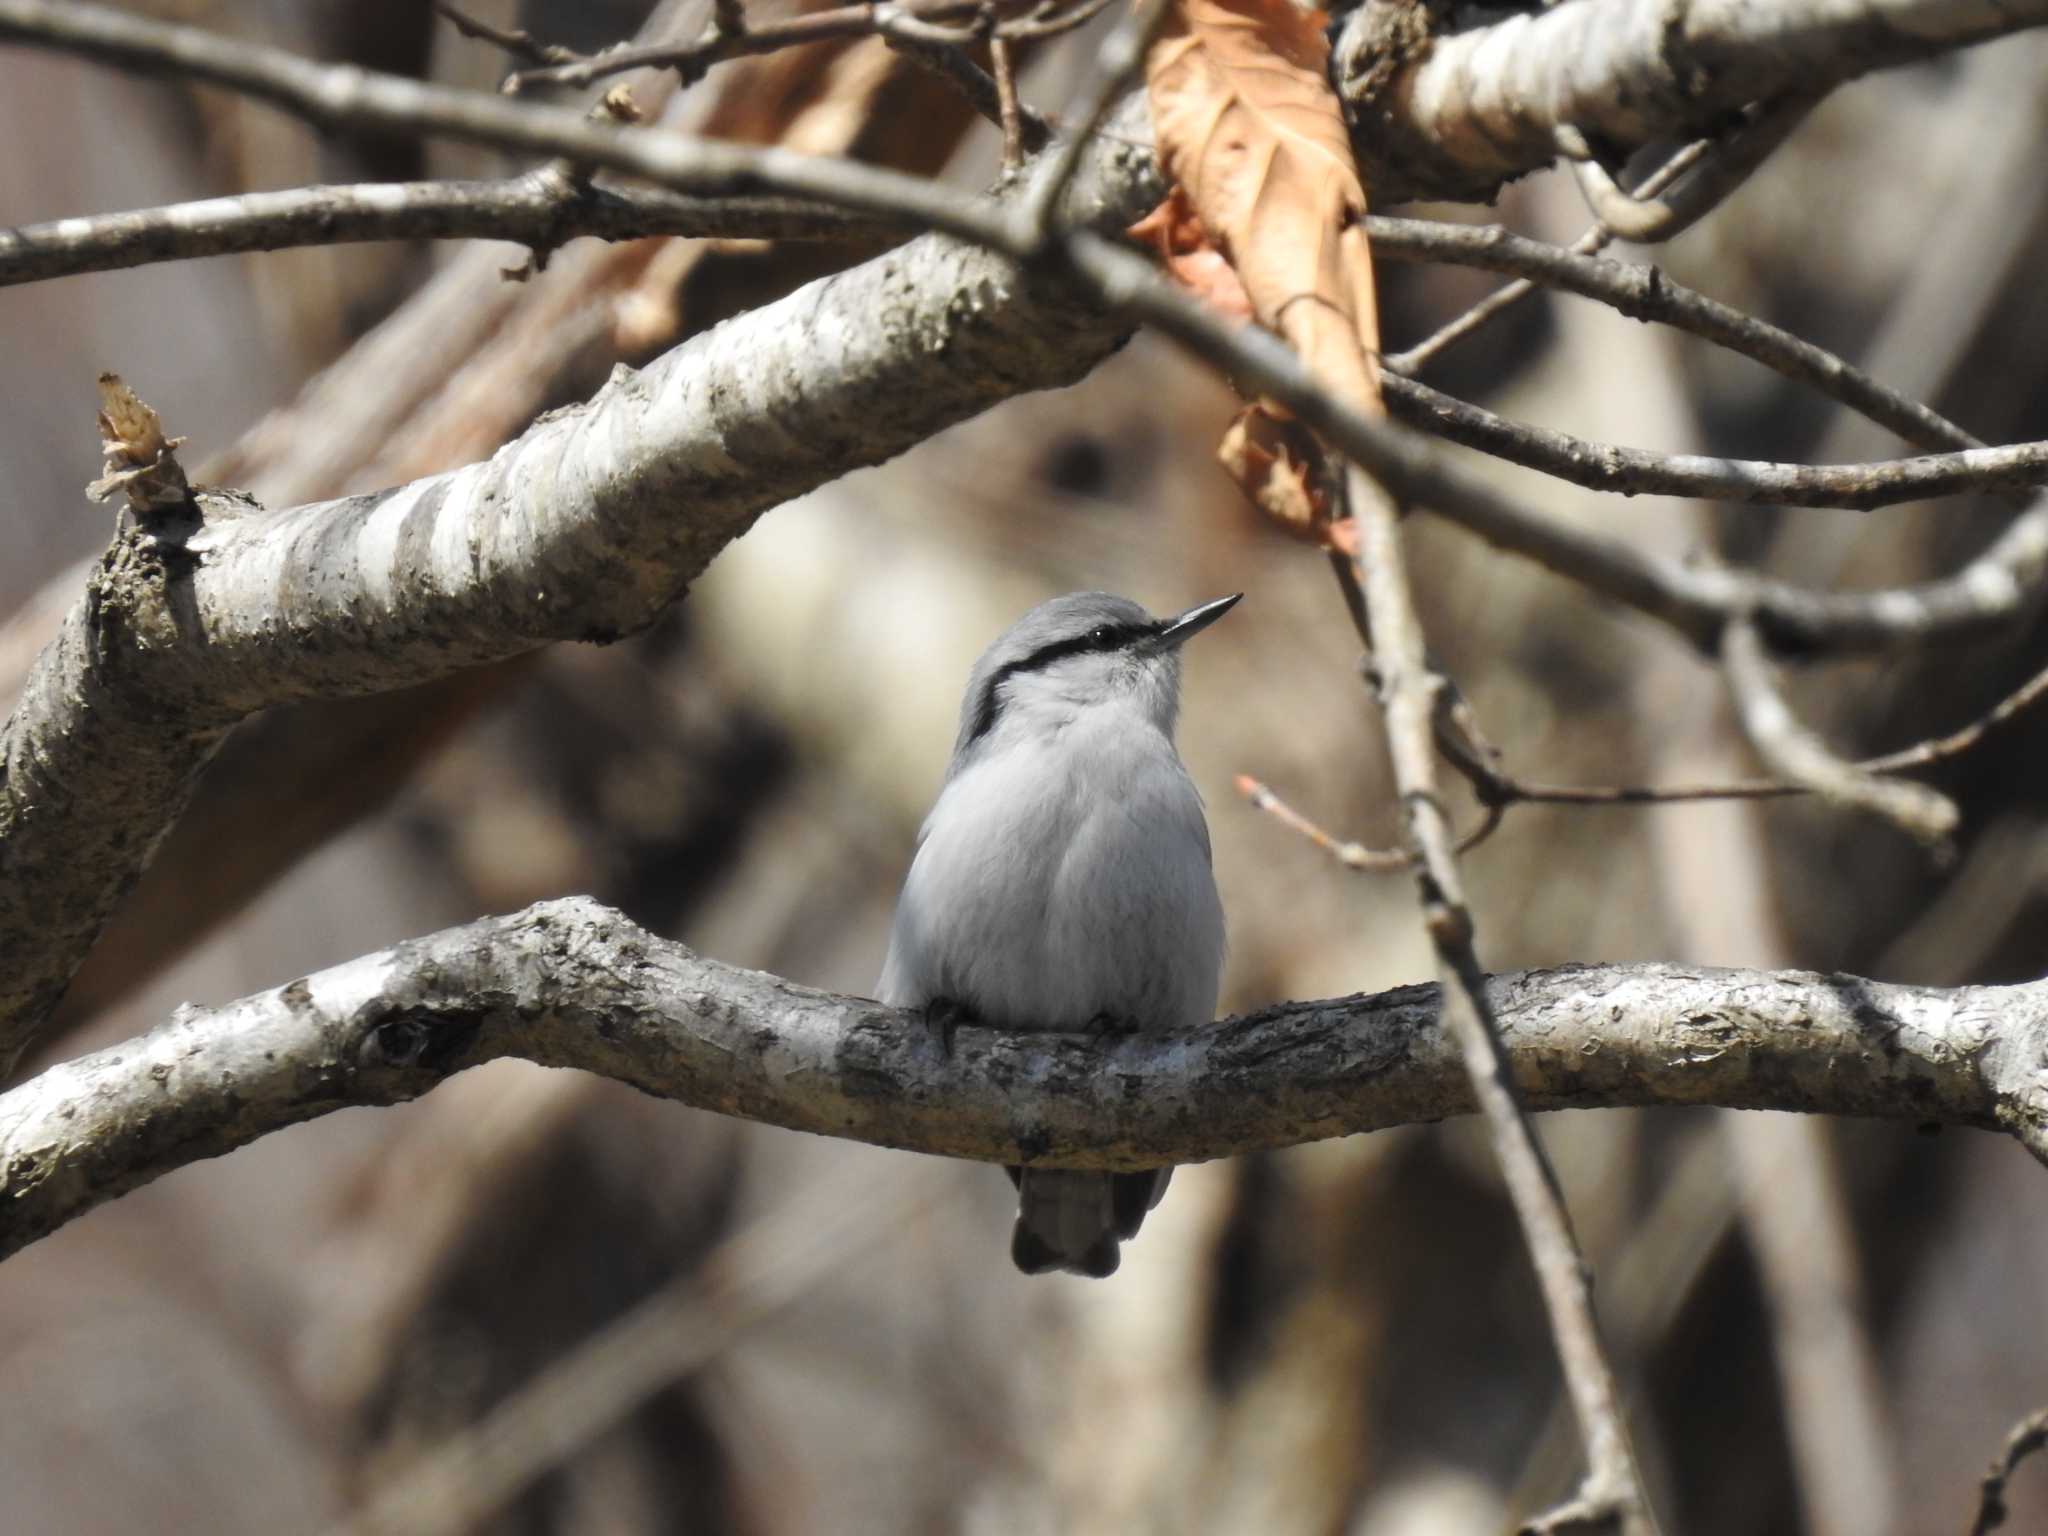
1112,1024
943,1017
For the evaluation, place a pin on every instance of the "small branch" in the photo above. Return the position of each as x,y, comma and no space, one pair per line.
1499,791
517,42
1409,693
1642,472
947,23
1373,861
1009,114
534,210
2025,1438
1645,293
1792,750
1985,595
949,61
338,96
1645,219
1595,240
571,984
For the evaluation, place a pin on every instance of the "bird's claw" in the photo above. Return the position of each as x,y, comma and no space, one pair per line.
943,1017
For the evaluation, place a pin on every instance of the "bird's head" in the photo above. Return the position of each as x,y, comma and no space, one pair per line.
1082,651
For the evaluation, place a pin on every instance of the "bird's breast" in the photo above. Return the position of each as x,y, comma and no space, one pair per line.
1062,883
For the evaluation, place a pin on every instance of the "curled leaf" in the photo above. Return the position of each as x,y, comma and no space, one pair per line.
1175,230
1277,463
141,460
1248,124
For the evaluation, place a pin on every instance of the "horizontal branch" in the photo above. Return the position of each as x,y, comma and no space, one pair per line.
1644,292
344,96
1644,472
540,210
571,984
1456,114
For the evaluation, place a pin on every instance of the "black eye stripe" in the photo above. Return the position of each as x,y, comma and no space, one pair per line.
1103,637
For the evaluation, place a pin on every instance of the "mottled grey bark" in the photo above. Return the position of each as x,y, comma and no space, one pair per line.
572,984
1438,113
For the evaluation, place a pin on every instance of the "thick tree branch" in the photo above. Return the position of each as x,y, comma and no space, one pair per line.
1451,114
572,984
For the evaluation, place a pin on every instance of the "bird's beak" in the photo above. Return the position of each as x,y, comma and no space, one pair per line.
1196,619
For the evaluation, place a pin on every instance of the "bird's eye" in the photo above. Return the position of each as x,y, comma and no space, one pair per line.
1099,635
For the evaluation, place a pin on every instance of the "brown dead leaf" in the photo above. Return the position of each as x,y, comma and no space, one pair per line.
1276,463
141,460
1248,124
1175,230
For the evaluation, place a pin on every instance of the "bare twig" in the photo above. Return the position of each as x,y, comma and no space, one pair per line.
1792,750
1645,293
1595,240
340,96
2025,1438
1613,1488
1497,788
1643,472
952,23
1353,855
949,61
1008,114
516,41
1642,218
535,210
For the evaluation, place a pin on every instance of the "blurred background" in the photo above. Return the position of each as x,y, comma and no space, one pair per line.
534,1302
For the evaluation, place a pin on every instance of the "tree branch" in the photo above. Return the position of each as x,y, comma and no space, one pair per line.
1796,752
1643,292
1409,692
537,210
1457,114
1644,472
572,984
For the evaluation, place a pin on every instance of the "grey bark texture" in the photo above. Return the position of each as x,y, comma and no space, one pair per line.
1444,111
571,983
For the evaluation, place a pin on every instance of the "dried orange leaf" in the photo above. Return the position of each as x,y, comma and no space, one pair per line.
1248,124
1275,462
1176,232
140,459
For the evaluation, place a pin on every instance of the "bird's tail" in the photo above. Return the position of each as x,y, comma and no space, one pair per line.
1073,1221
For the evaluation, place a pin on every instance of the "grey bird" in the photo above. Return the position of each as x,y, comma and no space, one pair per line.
1063,880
